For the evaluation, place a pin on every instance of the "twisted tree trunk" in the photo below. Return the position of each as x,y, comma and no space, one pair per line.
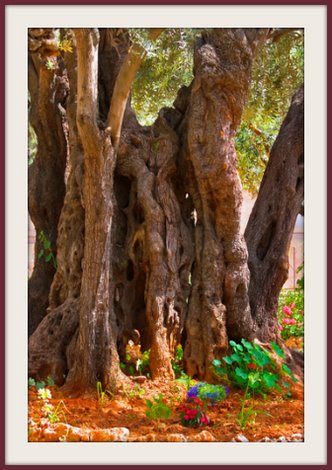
48,90
219,304
270,227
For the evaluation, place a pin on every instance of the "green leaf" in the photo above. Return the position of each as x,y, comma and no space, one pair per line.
40,254
277,349
235,357
241,373
235,346
216,362
253,379
228,360
247,345
261,358
48,257
50,381
270,379
40,385
31,382
287,370
285,384
47,244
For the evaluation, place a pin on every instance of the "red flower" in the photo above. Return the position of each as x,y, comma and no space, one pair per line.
289,321
204,419
252,366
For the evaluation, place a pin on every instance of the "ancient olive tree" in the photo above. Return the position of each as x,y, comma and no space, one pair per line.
146,219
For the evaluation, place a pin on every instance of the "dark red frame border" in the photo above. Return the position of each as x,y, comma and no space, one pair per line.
2,208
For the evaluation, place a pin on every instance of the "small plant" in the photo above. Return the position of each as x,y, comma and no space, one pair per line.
177,362
41,384
193,413
102,394
252,367
208,392
143,363
158,408
65,45
135,392
46,251
53,414
185,379
50,64
249,414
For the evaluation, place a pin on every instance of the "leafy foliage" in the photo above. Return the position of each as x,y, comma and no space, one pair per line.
167,67
253,368
291,310
277,73
41,384
177,362
102,394
46,250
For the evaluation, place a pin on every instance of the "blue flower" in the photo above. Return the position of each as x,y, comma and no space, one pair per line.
193,391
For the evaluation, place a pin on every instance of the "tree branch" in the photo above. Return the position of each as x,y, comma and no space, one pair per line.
123,86
87,41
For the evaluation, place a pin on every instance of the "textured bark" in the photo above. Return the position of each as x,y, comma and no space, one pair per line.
48,90
159,249
218,306
272,220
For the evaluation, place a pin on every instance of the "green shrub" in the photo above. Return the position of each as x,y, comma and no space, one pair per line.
158,408
253,368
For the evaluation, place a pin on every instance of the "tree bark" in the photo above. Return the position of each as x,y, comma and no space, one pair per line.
159,248
270,226
48,90
219,304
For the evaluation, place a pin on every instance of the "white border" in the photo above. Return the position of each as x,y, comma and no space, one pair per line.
18,19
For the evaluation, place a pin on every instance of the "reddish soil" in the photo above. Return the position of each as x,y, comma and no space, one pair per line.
284,418
278,418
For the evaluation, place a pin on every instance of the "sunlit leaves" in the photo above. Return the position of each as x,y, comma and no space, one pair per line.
277,73
167,67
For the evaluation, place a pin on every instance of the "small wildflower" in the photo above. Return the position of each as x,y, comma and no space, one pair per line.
287,310
289,321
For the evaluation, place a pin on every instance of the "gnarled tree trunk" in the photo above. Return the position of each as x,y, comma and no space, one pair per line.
48,90
219,304
270,227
